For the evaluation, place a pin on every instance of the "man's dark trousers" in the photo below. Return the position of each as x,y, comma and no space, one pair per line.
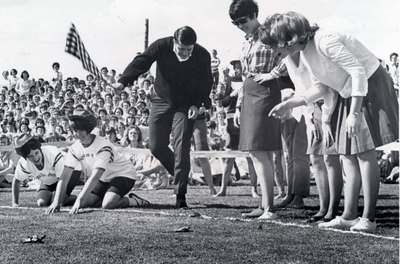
164,120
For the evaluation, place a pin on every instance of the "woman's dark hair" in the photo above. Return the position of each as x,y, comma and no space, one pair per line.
110,130
40,127
21,124
130,116
185,35
39,120
55,64
118,108
80,124
243,8
138,131
285,30
32,144
22,73
393,54
102,110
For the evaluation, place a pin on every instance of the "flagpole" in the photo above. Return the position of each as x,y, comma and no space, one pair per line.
146,34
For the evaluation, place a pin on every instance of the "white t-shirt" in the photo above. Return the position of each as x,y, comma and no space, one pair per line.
52,169
58,77
100,154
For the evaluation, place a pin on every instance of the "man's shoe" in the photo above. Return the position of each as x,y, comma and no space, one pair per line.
364,225
253,214
338,222
181,204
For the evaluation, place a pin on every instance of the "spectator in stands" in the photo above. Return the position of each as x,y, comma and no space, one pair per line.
6,82
58,77
13,78
24,84
215,62
394,71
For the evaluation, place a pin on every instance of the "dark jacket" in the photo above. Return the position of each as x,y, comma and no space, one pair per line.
181,84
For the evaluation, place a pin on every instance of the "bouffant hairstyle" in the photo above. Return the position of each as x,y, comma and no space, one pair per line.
286,30
31,144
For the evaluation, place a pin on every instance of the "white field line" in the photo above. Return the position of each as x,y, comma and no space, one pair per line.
211,218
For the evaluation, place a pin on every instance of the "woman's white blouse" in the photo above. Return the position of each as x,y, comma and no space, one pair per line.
340,62
302,80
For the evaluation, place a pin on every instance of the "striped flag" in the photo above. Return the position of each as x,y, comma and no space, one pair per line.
76,48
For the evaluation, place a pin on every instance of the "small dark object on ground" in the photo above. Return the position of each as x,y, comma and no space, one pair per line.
34,239
183,229
195,214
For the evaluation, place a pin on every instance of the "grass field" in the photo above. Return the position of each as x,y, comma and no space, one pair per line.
218,235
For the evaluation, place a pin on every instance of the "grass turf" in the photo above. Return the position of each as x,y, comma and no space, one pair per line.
129,236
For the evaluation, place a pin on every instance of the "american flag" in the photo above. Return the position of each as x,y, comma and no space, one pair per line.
75,47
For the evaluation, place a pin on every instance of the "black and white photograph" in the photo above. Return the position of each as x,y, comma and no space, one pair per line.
212,131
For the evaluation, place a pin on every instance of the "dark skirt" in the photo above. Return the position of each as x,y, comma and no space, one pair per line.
257,130
380,118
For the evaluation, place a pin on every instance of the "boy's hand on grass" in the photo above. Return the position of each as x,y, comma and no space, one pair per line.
75,208
53,208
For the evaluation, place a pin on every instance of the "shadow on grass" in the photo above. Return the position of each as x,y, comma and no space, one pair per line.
227,206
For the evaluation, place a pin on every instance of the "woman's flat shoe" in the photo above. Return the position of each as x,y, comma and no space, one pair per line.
315,218
328,219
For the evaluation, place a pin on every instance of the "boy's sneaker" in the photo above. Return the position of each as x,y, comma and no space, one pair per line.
364,225
338,222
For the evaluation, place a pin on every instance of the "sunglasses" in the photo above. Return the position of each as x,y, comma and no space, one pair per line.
240,21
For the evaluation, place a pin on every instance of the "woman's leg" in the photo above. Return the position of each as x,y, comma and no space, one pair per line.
115,195
206,168
263,166
370,182
301,165
321,179
253,178
113,200
278,173
288,128
335,178
228,165
352,185
44,198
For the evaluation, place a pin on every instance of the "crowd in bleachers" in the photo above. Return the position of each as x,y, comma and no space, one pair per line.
41,107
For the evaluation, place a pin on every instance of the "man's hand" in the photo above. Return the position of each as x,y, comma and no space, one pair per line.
202,110
53,208
75,208
193,112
